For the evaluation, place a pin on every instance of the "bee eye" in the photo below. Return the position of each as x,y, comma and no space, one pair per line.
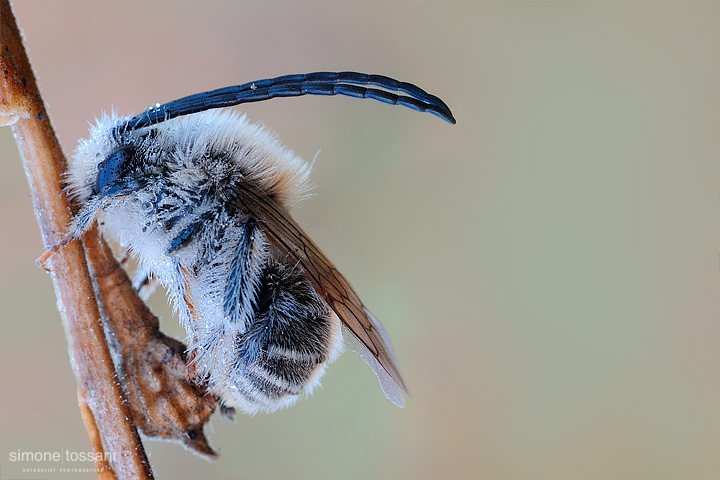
111,169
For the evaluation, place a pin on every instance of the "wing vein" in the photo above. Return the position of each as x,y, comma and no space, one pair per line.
290,238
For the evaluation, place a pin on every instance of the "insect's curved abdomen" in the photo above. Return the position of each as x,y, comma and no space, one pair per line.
284,351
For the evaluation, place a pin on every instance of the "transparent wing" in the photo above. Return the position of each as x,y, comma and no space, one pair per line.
389,386
362,332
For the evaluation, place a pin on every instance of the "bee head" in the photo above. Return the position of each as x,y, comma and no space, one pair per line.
111,171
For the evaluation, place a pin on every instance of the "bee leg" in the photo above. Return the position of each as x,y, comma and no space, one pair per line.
85,217
144,283
193,376
146,286
212,338
244,276
42,261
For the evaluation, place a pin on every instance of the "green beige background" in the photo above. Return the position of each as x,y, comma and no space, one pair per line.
547,268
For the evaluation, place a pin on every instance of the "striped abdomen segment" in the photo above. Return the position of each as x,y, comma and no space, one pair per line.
291,339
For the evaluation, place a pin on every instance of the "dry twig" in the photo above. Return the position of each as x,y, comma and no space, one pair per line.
152,366
43,161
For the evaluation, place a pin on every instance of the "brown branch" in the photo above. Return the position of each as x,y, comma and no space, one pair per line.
153,366
44,162
104,471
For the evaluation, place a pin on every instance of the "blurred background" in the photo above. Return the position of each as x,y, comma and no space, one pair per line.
547,268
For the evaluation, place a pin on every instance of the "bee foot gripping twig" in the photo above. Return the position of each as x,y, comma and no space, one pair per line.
42,261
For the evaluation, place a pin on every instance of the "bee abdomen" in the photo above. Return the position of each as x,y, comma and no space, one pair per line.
284,352
270,382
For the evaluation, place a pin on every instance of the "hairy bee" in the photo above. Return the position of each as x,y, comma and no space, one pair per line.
201,198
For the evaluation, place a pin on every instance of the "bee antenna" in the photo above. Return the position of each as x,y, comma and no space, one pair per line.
349,84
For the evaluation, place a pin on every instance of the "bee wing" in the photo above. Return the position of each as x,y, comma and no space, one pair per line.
361,331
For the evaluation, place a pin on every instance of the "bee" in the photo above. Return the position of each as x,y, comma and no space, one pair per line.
201,198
